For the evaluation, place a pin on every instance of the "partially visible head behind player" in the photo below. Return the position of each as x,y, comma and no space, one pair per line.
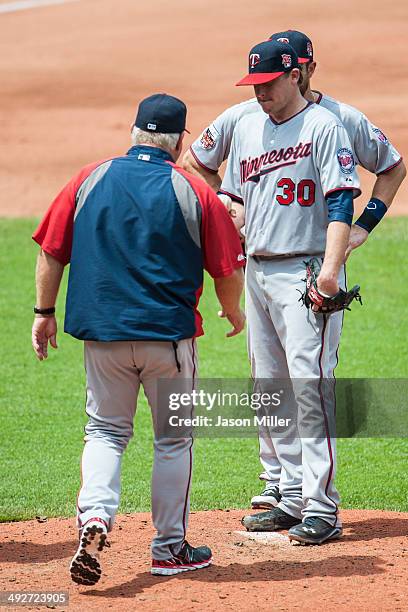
304,49
275,74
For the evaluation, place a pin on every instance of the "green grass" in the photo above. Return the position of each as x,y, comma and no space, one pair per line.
42,404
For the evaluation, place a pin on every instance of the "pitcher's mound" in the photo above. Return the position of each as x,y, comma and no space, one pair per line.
366,570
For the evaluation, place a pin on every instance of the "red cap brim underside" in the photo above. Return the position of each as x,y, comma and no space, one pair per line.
257,78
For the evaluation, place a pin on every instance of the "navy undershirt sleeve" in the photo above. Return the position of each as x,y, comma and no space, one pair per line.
340,205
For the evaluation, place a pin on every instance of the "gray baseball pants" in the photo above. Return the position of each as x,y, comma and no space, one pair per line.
288,341
271,467
114,373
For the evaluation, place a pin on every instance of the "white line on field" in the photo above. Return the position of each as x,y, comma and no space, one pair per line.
11,7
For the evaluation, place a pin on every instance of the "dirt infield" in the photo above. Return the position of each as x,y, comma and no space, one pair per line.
72,75
366,570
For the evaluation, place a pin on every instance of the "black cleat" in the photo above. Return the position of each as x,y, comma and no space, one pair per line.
85,566
314,530
189,558
269,498
269,521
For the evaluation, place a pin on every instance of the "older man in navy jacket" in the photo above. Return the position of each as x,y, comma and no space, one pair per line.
138,231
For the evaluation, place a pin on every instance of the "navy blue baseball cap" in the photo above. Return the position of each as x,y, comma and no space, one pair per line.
299,41
163,114
269,60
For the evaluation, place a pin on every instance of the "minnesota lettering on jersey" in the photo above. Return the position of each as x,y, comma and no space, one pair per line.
251,168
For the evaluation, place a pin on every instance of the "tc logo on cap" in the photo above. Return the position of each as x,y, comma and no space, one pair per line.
254,59
283,40
286,60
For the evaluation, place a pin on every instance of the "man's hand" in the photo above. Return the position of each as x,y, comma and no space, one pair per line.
358,236
328,285
235,211
229,290
47,279
322,293
237,320
44,330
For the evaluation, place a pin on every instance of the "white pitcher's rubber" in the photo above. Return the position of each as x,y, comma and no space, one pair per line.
264,537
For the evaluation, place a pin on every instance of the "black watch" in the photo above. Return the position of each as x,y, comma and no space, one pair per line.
44,311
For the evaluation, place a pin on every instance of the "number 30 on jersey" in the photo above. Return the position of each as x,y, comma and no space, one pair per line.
305,192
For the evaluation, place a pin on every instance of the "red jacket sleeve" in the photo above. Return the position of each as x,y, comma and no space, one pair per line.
220,243
55,231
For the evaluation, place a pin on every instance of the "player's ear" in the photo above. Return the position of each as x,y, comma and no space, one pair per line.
311,67
295,76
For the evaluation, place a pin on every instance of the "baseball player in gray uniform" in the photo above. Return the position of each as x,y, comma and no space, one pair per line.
293,169
371,149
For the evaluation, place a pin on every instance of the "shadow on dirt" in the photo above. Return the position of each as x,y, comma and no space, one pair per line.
28,552
374,528
276,571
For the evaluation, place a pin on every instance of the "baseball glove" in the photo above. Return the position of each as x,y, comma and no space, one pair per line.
312,297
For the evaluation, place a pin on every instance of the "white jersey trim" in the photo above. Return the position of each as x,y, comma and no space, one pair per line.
200,163
391,167
232,196
356,191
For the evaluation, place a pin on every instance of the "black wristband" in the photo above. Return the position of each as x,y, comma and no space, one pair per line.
44,311
372,214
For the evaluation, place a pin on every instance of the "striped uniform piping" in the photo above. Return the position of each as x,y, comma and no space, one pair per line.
338,344
79,511
191,445
200,163
326,424
391,167
232,196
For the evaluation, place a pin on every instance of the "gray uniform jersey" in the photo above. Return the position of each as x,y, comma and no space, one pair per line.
371,148
282,173
213,146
